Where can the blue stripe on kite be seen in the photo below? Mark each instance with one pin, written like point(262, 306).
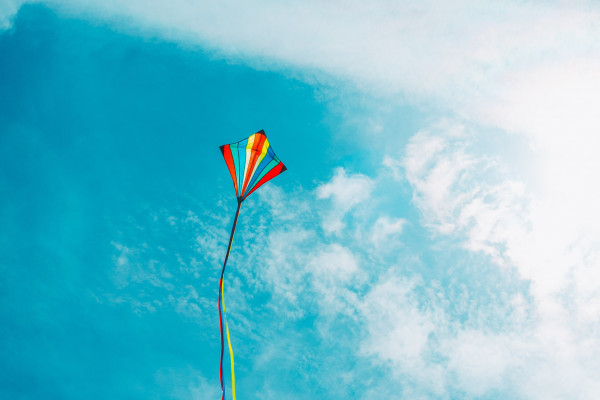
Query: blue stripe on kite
point(260, 170)
point(272, 164)
point(242, 159)
point(236, 161)
point(264, 162)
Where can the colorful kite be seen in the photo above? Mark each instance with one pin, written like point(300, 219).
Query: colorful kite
point(252, 163)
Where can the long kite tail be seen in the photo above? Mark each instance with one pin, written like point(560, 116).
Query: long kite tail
point(222, 303)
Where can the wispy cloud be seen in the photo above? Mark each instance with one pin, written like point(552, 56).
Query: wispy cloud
point(461, 191)
point(345, 192)
point(468, 195)
point(8, 10)
point(386, 229)
point(405, 324)
point(399, 329)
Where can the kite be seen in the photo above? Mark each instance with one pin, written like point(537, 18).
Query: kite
point(251, 163)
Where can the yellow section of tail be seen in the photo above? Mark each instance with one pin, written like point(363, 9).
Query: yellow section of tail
point(228, 342)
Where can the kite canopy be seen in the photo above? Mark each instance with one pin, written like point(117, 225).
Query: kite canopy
point(251, 162)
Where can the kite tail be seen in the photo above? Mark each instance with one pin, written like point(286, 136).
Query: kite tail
point(229, 343)
point(222, 303)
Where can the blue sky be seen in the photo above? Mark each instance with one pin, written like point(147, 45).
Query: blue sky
point(435, 236)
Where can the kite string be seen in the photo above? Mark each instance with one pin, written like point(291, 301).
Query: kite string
point(222, 300)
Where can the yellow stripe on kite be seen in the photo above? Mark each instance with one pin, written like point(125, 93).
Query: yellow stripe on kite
point(228, 341)
point(263, 153)
point(248, 156)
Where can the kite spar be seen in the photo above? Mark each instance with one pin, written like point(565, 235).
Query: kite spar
point(251, 163)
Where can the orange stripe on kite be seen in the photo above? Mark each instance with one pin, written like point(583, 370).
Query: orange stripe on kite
point(279, 168)
point(259, 142)
point(226, 150)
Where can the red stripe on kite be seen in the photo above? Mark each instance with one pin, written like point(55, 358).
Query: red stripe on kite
point(226, 150)
point(279, 168)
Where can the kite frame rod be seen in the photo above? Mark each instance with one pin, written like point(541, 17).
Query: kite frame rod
point(237, 214)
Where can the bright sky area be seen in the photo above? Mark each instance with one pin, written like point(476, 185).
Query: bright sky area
point(436, 235)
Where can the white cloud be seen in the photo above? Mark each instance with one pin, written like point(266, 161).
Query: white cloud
point(550, 241)
point(528, 68)
point(398, 328)
point(474, 200)
point(479, 361)
point(536, 61)
point(335, 263)
point(394, 166)
point(431, 354)
point(457, 191)
point(404, 328)
point(335, 276)
point(384, 228)
point(428, 350)
point(407, 325)
point(285, 263)
point(523, 67)
point(345, 191)
point(8, 10)
point(147, 276)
